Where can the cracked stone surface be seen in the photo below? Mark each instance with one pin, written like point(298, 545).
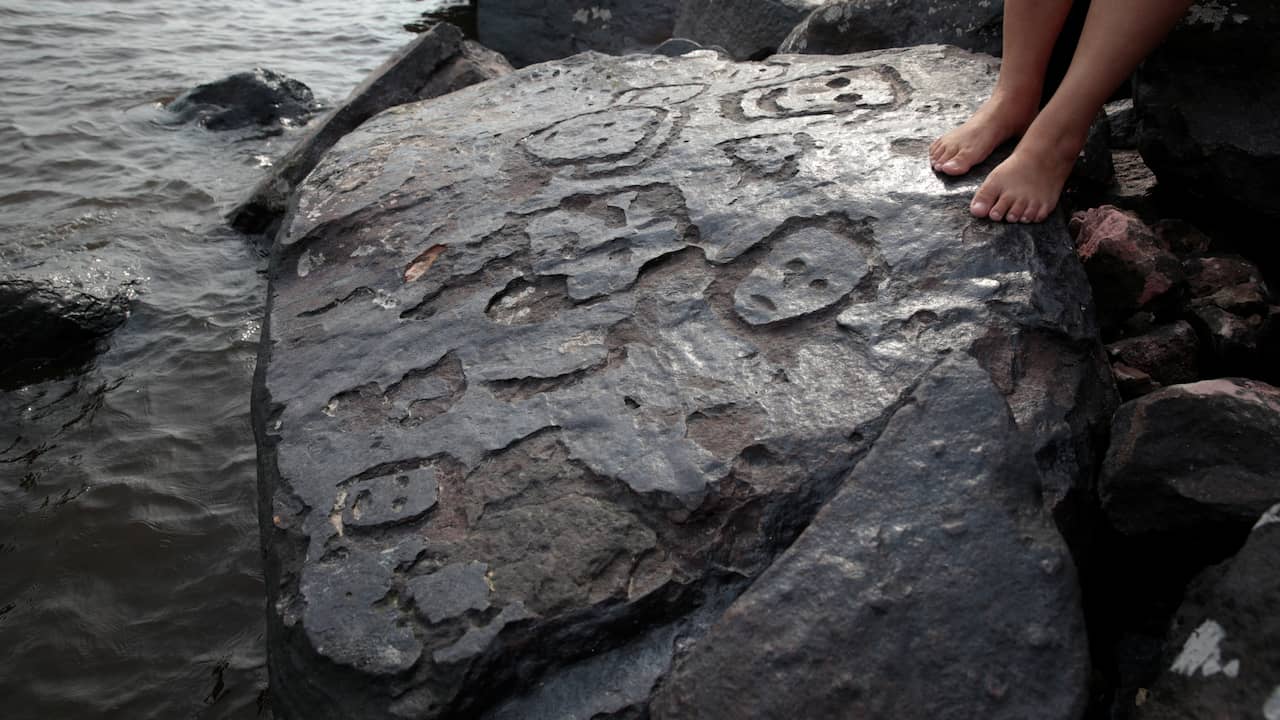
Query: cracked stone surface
point(580, 387)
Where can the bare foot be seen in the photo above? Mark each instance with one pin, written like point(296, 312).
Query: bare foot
point(1025, 187)
point(1002, 117)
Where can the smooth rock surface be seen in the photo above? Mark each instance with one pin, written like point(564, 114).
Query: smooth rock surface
point(848, 26)
point(605, 335)
point(1193, 457)
point(534, 31)
point(1208, 106)
point(437, 62)
point(259, 97)
point(748, 29)
point(1224, 648)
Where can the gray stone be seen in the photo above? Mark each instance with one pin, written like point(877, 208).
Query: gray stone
point(1191, 458)
point(1208, 107)
point(846, 26)
point(534, 31)
point(748, 29)
point(1122, 122)
point(437, 62)
point(259, 97)
point(1223, 658)
point(641, 318)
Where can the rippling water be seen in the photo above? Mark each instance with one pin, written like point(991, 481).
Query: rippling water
point(130, 582)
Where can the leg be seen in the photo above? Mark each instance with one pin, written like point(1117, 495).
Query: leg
point(1030, 29)
point(1117, 35)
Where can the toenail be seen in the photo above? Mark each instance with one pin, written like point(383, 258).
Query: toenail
point(994, 216)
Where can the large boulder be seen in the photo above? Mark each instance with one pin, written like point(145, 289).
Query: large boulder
point(437, 62)
point(48, 326)
point(1208, 107)
point(747, 29)
point(1193, 458)
point(533, 31)
point(855, 25)
point(258, 98)
point(557, 366)
point(1224, 646)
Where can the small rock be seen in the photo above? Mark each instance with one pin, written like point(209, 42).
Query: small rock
point(1209, 275)
point(1166, 355)
point(1232, 340)
point(46, 327)
point(1126, 267)
point(857, 25)
point(1134, 185)
point(1181, 237)
point(1223, 652)
point(1122, 123)
point(1132, 382)
point(260, 97)
point(1193, 458)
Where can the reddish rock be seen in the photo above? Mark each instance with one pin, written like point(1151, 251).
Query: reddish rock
point(1132, 382)
point(1127, 268)
point(1193, 458)
point(1166, 356)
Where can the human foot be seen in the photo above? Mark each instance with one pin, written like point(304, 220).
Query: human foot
point(1026, 186)
point(999, 119)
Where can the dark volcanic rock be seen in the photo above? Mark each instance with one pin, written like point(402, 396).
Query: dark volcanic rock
point(556, 365)
point(1122, 124)
point(1193, 458)
point(437, 62)
point(748, 29)
point(533, 31)
point(47, 326)
point(856, 25)
point(1208, 106)
point(260, 97)
point(1224, 647)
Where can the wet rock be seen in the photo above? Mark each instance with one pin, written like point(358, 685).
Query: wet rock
point(1223, 658)
point(1122, 124)
point(534, 31)
point(676, 47)
point(1193, 458)
point(1164, 356)
point(1208, 110)
point(437, 62)
point(260, 97)
point(748, 29)
point(856, 25)
point(624, 326)
point(1127, 268)
point(47, 327)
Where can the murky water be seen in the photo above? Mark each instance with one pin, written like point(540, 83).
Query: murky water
point(130, 582)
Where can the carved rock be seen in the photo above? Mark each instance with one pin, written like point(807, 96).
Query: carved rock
point(556, 366)
point(437, 62)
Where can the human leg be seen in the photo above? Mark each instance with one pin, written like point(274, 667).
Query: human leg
point(1030, 29)
point(1117, 35)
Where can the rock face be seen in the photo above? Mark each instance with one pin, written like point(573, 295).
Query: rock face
point(747, 29)
point(533, 31)
point(673, 387)
point(439, 61)
point(1209, 109)
point(1193, 457)
point(857, 25)
point(1224, 659)
point(45, 324)
point(260, 97)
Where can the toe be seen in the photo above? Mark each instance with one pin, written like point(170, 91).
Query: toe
point(1001, 207)
point(983, 200)
point(1018, 212)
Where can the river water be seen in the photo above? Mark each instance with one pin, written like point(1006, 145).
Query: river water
point(130, 581)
